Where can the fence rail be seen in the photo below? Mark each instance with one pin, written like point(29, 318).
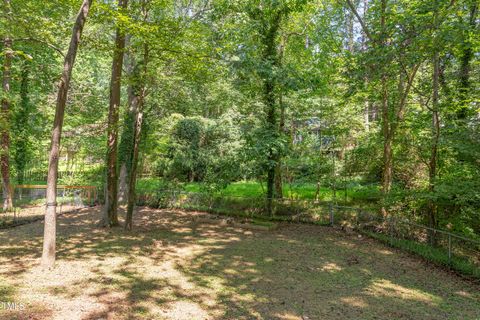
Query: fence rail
point(29, 202)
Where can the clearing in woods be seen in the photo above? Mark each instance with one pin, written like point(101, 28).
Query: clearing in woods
point(171, 267)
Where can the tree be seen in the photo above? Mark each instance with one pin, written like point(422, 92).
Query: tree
point(127, 138)
point(21, 144)
point(110, 217)
point(393, 104)
point(5, 116)
point(466, 57)
point(138, 92)
point(49, 237)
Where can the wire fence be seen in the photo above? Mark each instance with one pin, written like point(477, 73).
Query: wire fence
point(441, 246)
point(29, 202)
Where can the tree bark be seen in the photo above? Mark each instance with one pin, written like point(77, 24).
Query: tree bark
point(387, 175)
point(21, 124)
point(48, 254)
point(110, 217)
point(137, 91)
point(278, 167)
point(432, 165)
point(270, 58)
point(133, 170)
point(5, 118)
point(123, 183)
point(465, 61)
point(269, 100)
point(126, 141)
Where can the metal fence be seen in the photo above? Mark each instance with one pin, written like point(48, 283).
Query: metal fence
point(29, 202)
point(442, 246)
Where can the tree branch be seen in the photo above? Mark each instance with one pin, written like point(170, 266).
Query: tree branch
point(360, 20)
point(42, 42)
point(401, 107)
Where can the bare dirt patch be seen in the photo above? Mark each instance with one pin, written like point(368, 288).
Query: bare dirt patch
point(170, 267)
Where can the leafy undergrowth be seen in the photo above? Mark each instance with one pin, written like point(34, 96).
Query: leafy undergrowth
point(171, 267)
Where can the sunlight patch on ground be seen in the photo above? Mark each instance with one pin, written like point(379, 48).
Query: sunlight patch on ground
point(385, 251)
point(217, 273)
point(355, 302)
point(387, 288)
point(287, 316)
point(331, 267)
point(465, 294)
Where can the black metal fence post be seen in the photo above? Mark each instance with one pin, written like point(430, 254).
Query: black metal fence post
point(332, 220)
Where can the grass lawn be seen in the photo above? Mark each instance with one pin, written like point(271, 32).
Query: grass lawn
point(171, 267)
point(355, 192)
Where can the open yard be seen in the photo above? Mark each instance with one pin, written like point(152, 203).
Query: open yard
point(171, 267)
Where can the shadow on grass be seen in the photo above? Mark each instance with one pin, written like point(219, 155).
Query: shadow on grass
point(172, 268)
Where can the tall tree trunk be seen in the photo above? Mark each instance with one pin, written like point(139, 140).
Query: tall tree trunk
point(349, 27)
point(272, 158)
point(387, 172)
point(432, 165)
point(123, 183)
point(48, 254)
point(21, 123)
point(366, 115)
point(366, 110)
point(278, 166)
point(110, 217)
point(133, 169)
point(126, 141)
point(270, 57)
point(465, 60)
point(5, 117)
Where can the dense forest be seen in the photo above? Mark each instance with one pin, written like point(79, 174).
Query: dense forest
point(379, 97)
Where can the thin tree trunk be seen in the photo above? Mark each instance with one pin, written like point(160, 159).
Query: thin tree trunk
point(387, 174)
point(123, 183)
point(5, 117)
point(48, 254)
point(272, 158)
point(465, 61)
point(126, 141)
point(278, 167)
point(350, 34)
point(271, 57)
point(432, 165)
point(21, 123)
point(138, 91)
point(110, 217)
point(133, 170)
point(271, 119)
point(366, 115)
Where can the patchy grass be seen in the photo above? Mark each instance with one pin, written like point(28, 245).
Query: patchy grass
point(170, 267)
